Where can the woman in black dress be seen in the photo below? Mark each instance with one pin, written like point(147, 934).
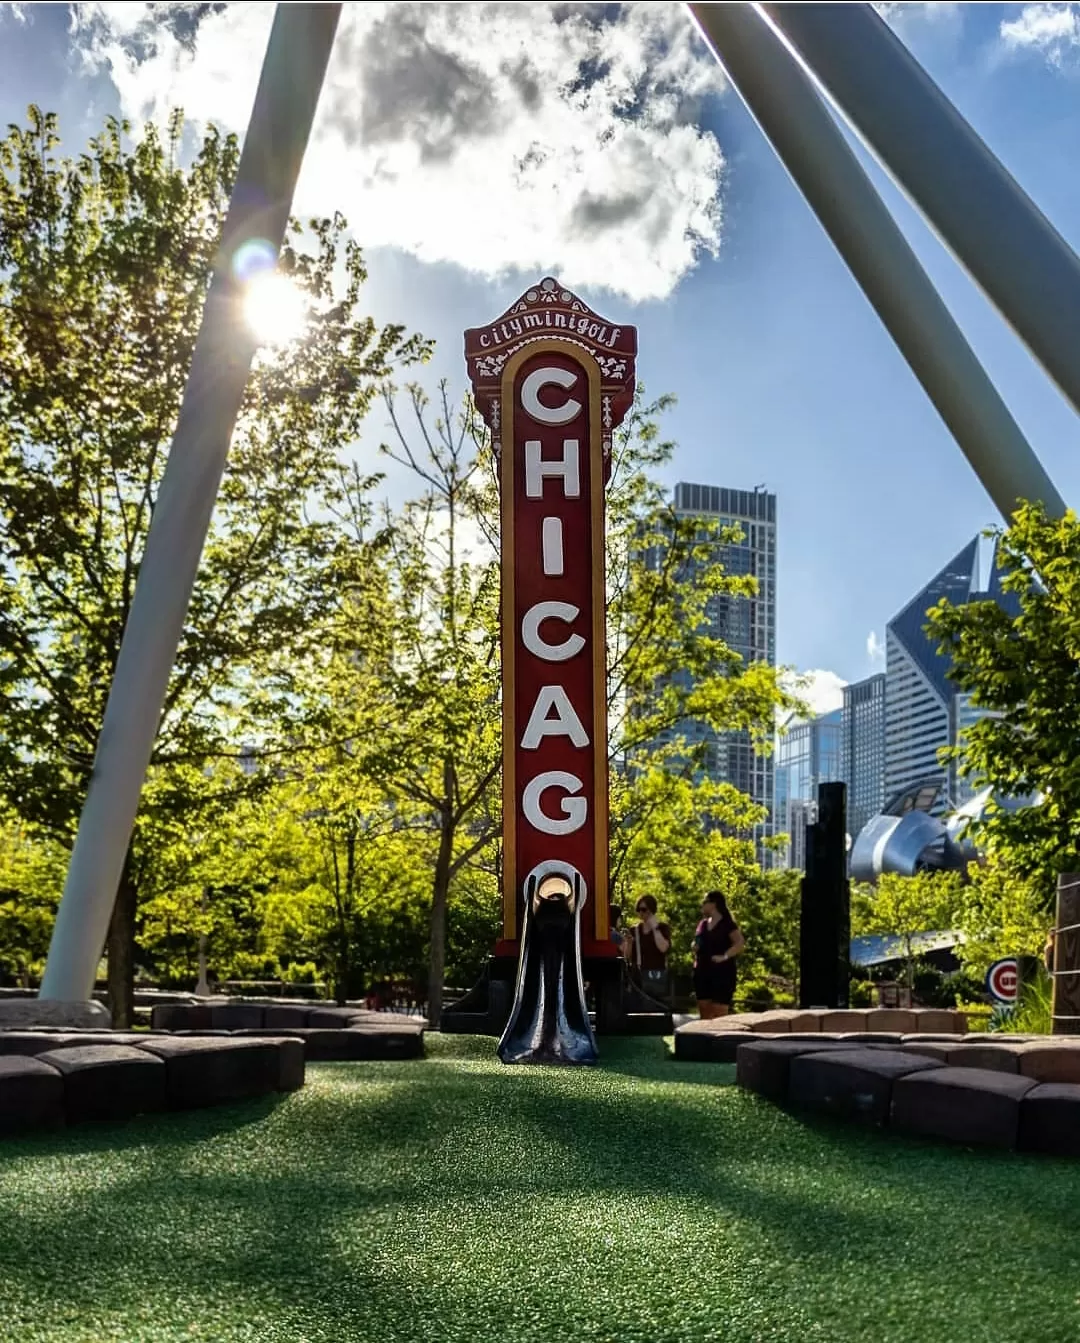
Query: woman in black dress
point(717, 942)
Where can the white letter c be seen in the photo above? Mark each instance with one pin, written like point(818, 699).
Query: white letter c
point(535, 616)
point(544, 377)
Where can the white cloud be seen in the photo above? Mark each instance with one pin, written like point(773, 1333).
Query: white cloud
point(822, 691)
point(17, 12)
point(498, 137)
point(875, 648)
point(1052, 30)
point(897, 12)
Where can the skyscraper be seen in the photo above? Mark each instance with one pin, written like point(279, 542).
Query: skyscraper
point(807, 754)
point(863, 750)
point(923, 709)
point(746, 624)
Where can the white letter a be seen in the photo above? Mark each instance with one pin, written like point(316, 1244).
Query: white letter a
point(565, 723)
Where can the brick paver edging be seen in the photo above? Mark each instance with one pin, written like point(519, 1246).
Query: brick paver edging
point(1016, 1093)
point(194, 1056)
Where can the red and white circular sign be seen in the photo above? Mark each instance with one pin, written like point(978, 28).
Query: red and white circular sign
point(1003, 980)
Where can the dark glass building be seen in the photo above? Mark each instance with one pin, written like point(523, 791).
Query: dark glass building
point(746, 624)
point(863, 750)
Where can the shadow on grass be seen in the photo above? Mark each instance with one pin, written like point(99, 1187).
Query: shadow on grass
point(453, 1198)
point(162, 1129)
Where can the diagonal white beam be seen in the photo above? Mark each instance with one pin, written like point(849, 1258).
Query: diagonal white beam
point(292, 76)
point(811, 147)
point(994, 229)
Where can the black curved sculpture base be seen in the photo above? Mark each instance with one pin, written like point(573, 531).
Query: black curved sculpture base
point(549, 1021)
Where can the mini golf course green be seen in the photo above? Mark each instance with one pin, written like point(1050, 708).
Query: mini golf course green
point(451, 1199)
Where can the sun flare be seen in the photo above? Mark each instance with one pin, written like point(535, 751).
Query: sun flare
point(275, 310)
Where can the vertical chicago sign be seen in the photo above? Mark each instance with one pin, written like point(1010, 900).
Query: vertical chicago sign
point(553, 380)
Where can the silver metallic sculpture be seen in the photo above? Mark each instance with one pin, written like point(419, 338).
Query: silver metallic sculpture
point(906, 838)
point(549, 1022)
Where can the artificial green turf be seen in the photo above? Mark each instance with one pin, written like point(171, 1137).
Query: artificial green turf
point(452, 1199)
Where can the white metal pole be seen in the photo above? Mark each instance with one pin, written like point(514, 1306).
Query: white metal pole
point(811, 146)
point(995, 230)
point(292, 76)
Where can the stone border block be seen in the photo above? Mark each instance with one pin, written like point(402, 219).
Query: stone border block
point(1055, 1059)
point(284, 1016)
point(181, 1017)
point(895, 1020)
point(108, 1081)
point(764, 1066)
point(974, 1106)
point(236, 1016)
point(996, 1057)
point(694, 1043)
point(214, 1071)
point(292, 1064)
point(1050, 1119)
point(31, 1094)
point(942, 1019)
point(854, 1083)
point(849, 1020)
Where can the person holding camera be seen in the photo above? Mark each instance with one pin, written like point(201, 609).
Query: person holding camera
point(649, 947)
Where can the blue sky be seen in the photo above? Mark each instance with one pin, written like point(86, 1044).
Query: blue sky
point(783, 374)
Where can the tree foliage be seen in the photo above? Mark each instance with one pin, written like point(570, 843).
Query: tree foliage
point(31, 871)
point(1023, 668)
point(324, 788)
point(768, 909)
point(105, 260)
point(437, 752)
point(675, 832)
point(902, 907)
point(1000, 913)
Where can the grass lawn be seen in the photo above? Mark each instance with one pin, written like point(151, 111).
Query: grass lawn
point(452, 1200)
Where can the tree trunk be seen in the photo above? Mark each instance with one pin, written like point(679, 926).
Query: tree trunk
point(202, 988)
point(120, 949)
point(440, 893)
point(344, 910)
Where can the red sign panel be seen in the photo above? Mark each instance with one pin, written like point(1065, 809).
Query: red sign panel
point(553, 380)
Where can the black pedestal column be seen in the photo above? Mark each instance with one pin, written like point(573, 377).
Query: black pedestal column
point(825, 933)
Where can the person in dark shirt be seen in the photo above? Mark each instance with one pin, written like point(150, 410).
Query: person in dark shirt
point(717, 942)
point(652, 939)
point(649, 946)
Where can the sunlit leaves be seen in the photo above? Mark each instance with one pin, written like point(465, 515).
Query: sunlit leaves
point(1025, 670)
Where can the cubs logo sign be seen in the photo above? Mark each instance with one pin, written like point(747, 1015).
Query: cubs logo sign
point(552, 381)
point(1003, 980)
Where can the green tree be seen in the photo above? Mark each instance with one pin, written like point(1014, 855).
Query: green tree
point(1021, 667)
point(31, 869)
point(438, 747)
point(665, 573)
point(105, 259)
point(1000, 913)
point(675, 832)
point(676, 838)
point(903, 907)
point(768, 909)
